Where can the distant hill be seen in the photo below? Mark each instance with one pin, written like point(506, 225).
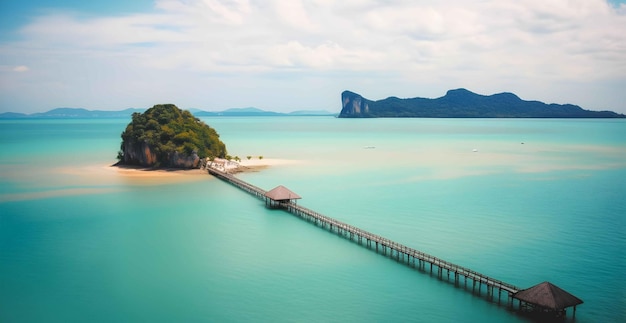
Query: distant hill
point(237, 112)
point(72, 113)
point(255, 112)
point(13, 115)
point(461, 103)
point(127, 113)
point(312, 113)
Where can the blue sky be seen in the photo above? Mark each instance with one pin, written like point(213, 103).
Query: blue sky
point(287, 55)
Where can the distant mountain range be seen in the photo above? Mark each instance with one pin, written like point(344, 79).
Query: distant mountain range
point(251, 112)
point(86, 114)
point(461, 103)
point(72, 113)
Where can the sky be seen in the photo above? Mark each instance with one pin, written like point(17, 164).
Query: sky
point(287, 55)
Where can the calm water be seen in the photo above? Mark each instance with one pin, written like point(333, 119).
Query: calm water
point(539, 200)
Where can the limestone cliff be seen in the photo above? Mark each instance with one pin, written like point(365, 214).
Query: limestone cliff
point(353, 105)
point(141, 154)
point(138, 154)
point(185, 161)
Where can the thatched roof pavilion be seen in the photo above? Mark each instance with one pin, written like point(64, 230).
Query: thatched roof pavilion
point(280, 194)
point(548, 297)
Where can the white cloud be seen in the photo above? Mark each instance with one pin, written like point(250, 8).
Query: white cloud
point(229, 12)
point(21, 68)
point(294, 14)
point(555, 51)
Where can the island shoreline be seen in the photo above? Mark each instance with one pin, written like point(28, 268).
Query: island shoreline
point(244, 166)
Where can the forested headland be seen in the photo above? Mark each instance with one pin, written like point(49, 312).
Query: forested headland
point(461, 103)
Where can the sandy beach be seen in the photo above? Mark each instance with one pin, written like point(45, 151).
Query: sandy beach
point(255, 164)
point(245, 165)
point(94, 179)
point(142, 172)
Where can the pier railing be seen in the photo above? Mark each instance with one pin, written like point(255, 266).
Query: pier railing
point(381, 244)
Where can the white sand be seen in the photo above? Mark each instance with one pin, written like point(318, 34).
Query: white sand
point(147, 172)
point(267, 162)
point(250, 165)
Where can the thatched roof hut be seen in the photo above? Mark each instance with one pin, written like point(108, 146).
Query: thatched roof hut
point(280, 194)
point(548, 296)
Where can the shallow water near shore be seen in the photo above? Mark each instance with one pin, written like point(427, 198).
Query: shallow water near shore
point(524, 201)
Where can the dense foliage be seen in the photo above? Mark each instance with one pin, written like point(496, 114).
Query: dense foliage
point(166, 129)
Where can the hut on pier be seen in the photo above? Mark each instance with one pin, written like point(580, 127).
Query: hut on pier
point(279, 196)
point(546, 299)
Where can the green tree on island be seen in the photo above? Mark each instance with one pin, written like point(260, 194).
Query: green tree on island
point(166, 136)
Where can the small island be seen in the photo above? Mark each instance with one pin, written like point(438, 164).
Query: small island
point(165, 136)
point(461, 103)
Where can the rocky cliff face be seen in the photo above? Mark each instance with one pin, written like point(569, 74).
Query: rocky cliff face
point(138, 154)
point(185, 161)
point(143, 155)
point(353, 105)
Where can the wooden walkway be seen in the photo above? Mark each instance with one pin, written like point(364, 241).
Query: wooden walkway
point(411, 257)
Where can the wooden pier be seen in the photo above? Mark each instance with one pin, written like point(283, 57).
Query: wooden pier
point(445, 270)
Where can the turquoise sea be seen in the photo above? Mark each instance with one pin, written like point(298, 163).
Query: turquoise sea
point(521, 200)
